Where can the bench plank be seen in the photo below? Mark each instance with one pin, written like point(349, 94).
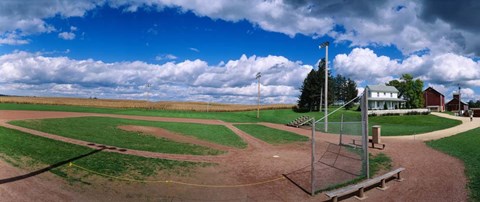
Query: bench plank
point(366, 183)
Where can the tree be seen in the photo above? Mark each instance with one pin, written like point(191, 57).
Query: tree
point(313, 86)
point(351, 92)
point(339, 89)
point(409, 89)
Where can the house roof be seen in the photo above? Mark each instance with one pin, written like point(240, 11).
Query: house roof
point(434, 91)
point(382, 88)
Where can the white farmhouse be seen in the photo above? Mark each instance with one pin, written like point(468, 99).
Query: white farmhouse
point(381, 95)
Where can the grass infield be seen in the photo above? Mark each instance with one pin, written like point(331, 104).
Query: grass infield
point(271, 135)
point(103, 130)
point(464, 146)
point(33, 152)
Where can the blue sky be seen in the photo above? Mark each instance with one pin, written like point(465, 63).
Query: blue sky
point(210, 51)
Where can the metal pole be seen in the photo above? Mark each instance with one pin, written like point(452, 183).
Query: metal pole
point(365, 132)
point(312, 173)
point(341, 130)
point(326, 88)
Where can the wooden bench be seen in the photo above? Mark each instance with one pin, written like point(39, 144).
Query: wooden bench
point(370, 141)
point(360, 187)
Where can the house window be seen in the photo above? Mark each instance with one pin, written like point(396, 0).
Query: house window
point(384, 93)
point(391, 94)
point(378, 94)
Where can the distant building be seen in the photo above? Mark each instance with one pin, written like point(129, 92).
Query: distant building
point(434, 100)
point(382, 96)
point(456, 102)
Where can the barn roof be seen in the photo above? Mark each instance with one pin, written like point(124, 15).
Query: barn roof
point(434, 91)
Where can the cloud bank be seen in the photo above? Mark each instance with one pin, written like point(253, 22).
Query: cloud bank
point(233, 82)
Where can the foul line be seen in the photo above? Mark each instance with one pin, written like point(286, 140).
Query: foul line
point(175, 182)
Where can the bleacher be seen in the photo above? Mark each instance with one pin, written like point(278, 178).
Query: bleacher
point(300, 121)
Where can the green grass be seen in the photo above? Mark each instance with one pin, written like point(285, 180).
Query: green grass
point(391, 125)
point(465, 146)
point(410, 125)
point(271, 135)
point(281, 116)
point(34, 152)
point(103, 130)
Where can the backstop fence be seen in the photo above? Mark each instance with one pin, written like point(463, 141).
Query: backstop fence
point(339, 150)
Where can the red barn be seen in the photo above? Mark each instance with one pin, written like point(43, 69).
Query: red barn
point(456, 102)
point(434, 100)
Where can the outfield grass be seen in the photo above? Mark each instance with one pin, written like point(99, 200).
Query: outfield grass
point(103, 130)
point(271, 135)
point(30, 151)
point(465, 146)
point(412, 124)
point(391, 125)
point(281, 116)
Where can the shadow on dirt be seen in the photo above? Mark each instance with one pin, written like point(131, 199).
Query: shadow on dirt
point(40, 171)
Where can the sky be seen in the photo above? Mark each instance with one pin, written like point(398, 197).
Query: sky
point(210, 51)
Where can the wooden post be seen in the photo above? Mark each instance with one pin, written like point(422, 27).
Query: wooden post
point(326, 87)
point(312, 173)
point(365, 132)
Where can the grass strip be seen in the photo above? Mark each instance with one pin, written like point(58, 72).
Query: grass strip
point(464, 146)
point(271, 135)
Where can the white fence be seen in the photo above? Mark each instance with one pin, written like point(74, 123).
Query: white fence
point(397, 112)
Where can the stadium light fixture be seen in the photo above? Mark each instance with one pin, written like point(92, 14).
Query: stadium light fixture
point(325, 45)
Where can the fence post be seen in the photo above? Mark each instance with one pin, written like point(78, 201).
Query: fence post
point(312, 174)
point(364, 104)
point(341, 130)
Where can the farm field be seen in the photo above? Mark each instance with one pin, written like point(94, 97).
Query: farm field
point(139, 104)
point(464, 146)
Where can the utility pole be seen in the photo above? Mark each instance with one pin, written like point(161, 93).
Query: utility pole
point(148, 95)
point(459, 101)
point(325, 45)
point(259, 74)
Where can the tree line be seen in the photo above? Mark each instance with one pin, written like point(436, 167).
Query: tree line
point(340, 89)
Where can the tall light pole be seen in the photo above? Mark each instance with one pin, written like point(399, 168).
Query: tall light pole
point(259, 74)
point(325, 45)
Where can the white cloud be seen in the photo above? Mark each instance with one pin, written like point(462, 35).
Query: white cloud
point(66, 35)
point(12, 39)
point(165, 57)
point(194, 49)
point(34, 74)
